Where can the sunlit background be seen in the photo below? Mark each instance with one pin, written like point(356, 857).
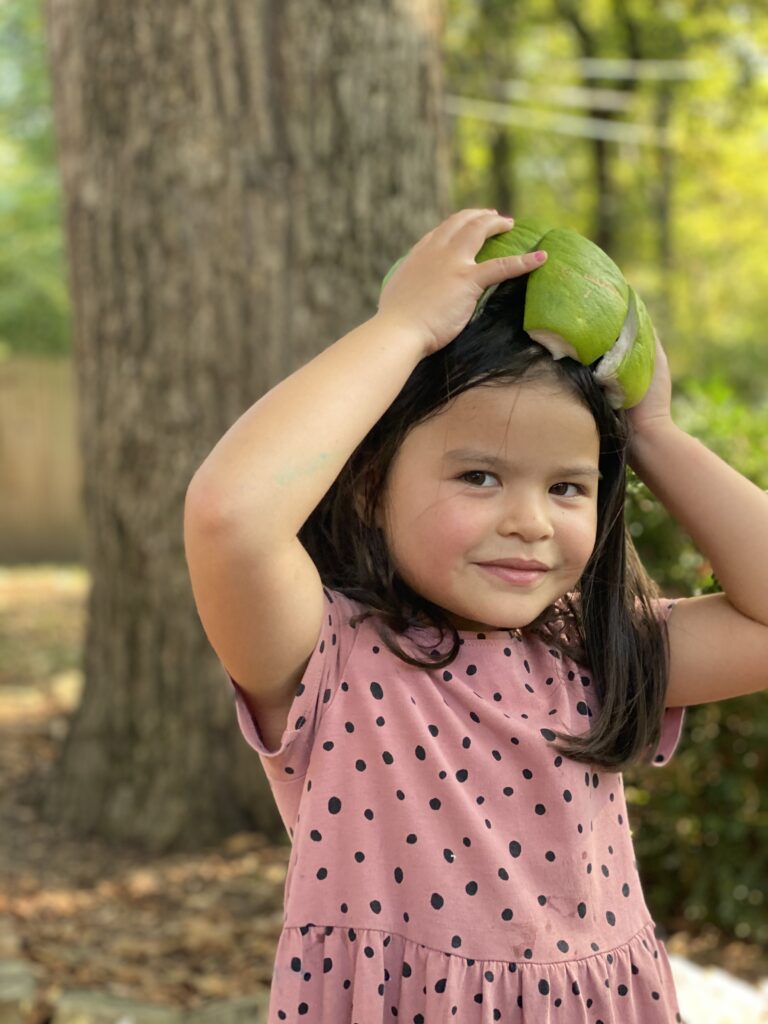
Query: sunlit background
point(643, 126)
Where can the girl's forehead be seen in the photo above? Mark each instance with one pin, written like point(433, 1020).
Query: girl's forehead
point(543, 403)
point(532, 420)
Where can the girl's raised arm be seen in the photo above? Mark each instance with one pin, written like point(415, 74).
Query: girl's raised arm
point(257, 592)
point(718, 642)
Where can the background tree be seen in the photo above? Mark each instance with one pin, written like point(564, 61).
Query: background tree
point(236, 179)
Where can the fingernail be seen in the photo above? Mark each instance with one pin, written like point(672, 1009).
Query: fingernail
point(540, 256)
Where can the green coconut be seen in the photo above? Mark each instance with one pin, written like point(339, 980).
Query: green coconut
point(578, 304)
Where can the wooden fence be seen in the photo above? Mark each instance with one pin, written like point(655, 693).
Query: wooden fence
point(40, 473)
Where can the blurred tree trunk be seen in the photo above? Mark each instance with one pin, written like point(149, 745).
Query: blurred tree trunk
point(604, 230)
point(237, 178)
point(662, 205)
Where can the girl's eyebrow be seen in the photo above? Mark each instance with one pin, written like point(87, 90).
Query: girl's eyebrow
point(483, 458)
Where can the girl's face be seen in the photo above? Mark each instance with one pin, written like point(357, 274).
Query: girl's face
point(529, 492)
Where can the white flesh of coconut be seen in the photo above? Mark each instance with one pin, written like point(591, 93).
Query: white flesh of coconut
point(555, 344)
point(614, 357)
point(608, 366)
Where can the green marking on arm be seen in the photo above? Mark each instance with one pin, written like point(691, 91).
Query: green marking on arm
point(302, 470)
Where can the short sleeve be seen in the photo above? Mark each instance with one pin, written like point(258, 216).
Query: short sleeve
point(313, 695)
point(673, 718)
point(671, 731)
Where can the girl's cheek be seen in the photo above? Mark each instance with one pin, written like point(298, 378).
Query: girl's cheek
point(586, 536)
point(456, 526)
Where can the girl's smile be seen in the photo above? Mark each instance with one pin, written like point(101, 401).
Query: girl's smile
point(504, 472)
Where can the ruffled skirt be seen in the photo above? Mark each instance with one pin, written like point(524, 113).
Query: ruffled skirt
point(339, 975)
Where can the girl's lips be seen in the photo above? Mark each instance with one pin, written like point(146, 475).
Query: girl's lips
point(516, 577)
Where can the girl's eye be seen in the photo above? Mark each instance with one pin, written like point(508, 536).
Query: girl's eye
point(482, 473)
point(475, 473)
point(579, 489)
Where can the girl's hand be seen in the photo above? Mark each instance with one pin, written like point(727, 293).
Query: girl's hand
point(654, 410)
point(436, 287)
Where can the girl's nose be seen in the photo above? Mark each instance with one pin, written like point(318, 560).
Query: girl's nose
point(527, 517)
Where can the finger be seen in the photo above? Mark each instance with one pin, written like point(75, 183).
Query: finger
point(477, 224)
point(494, 271)
point(476, 231)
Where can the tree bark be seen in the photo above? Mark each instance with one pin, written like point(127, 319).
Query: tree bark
point(237, 177)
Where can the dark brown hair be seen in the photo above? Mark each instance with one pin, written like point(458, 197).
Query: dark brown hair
point(607, 624)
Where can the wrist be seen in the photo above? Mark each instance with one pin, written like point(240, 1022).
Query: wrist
point(646, 436)
point(410, 332)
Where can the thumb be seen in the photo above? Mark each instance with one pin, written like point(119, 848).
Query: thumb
point(497, 270)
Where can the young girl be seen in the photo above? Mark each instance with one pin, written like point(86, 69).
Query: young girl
point(411, 558)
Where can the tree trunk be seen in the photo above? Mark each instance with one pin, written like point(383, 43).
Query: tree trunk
point(603, 231)
point(237, 178)
point(662, 199)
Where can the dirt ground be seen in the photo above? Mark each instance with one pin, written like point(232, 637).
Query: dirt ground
point(178, 930)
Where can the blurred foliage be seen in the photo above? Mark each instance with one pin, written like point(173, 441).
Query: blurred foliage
point(700, 822)
point(34, 304)
point(688, 227)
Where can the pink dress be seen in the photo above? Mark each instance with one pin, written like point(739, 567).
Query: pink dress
point(447, 864)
